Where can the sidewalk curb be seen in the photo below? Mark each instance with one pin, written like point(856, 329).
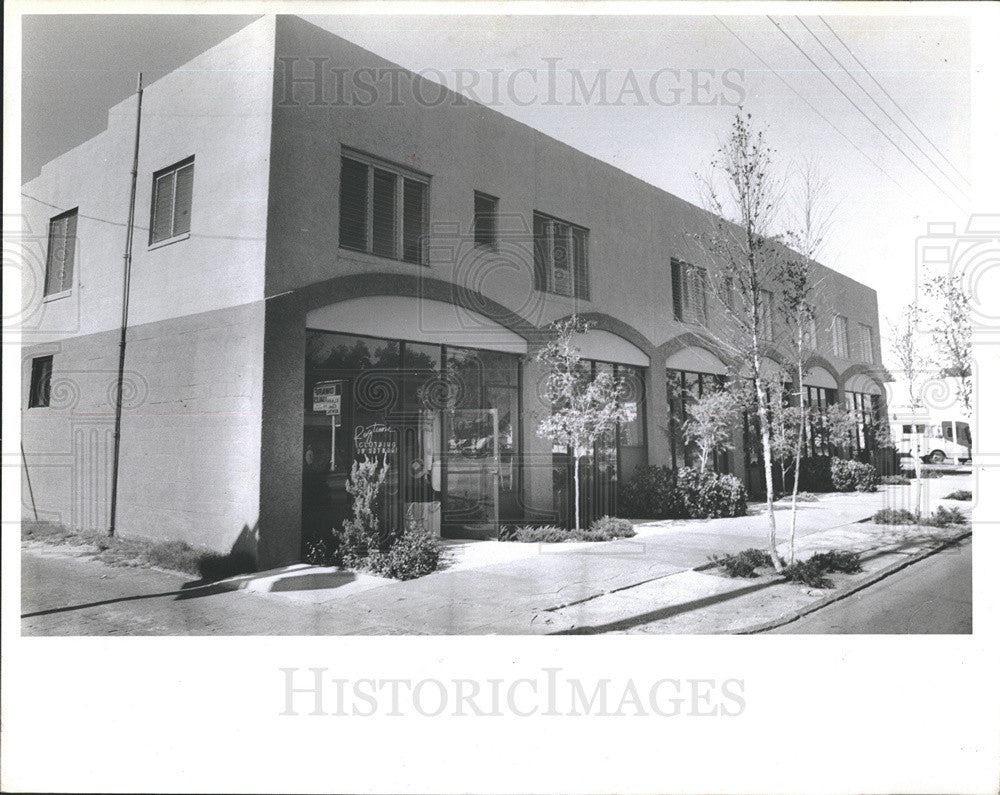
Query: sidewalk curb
point(881, 574)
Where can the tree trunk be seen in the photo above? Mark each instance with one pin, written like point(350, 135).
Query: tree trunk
point(798, 460)
point(765, 438)
point(576, 488)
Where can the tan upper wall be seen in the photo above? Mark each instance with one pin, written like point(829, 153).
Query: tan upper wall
point(635, 228)
point(217, 108)
point(267, 174)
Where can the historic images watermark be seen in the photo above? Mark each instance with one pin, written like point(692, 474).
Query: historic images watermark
point(320, 82)
point(319, 692)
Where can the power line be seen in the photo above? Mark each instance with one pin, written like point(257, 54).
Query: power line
point(861, 111)
point(815, 110)
point(137, 226)
point(893, 101)
point(919, 148)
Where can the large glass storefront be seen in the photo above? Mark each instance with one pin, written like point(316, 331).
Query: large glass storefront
point(446, 421)
point(613, 459)
point(683, 388)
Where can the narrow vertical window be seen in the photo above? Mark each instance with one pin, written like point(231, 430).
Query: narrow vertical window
point(353, 204)
point(484, 220)
point(840, 340)
point(414, 220)
point(677, 288)
point(384, 214)
point(689, 285)
point(867, 352)
point(61, 254)
point(171, 205)
point(41, 382)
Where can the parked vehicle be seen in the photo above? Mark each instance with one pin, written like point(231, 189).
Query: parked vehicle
point(938, 442)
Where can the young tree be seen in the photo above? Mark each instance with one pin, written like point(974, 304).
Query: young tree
point(951, 332)
point(811, 219)
point(583, 409)
point(743, 192)
point(904, 345)
point(710, 421)
point(842, 429)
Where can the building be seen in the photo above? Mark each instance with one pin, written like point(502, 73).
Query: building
point(363, 275)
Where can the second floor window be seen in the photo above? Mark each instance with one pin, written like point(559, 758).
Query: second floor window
point(171, 213)
point(484, 220)
point(865, 343)
point(840, 336)
point(561, 265)
point(688, 283)
point(61, 255)
point(383, 209)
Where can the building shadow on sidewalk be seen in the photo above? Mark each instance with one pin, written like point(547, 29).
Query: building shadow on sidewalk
point(667, 612)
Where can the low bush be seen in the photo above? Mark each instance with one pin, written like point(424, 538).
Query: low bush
point(651, 493)
point(853, 475)
point(945, 517)
point(413, 554)
point(709, 495)
point(896, 480)
point(604, 529)
point(894, 516)
point(688, 493)
point(535, 534)
point(814, 474)
point(812, 572)
point(961, 494)
point(743, 564)
point(608, 528)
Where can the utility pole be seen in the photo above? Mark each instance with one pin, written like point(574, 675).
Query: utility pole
point(125, 295)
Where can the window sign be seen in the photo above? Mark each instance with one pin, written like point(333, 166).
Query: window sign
point(326, 397)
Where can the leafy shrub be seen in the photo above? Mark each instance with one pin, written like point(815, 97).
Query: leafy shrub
point(607, 528)
point(808, 573)
point(814, 474)
point(961, 494)
point(532, 534)
point(836, 560)
point(362, 534)
point(743, 564)
point(853, 475)
point(718, 496)
point(894, 516)
point(896, 480)
point(812, 572)
point(688, 493)
point(413, 554)
point(649, 494)
point(945, 517)
point(604, 529)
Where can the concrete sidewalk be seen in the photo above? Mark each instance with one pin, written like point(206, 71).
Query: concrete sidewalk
point(524, 593)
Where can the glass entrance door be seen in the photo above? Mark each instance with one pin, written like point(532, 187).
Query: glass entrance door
point(471, 473)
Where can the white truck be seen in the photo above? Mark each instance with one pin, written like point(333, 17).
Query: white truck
point(936, 441)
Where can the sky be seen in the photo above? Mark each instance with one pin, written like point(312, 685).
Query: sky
point(885, 182)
